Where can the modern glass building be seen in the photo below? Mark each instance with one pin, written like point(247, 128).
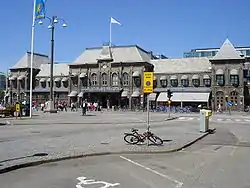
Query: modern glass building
point(2, 81)
point(210, 52)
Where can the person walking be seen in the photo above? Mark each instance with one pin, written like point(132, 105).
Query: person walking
point(84, 107)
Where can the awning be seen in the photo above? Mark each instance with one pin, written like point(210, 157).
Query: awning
point(136, 74)
point(12, 78)
point(21, 77)
point(57, 79)
point(65, 79)
point(135, 94)
point(184, 97)
point(73, 94)
point(152, 96)
point(83, 74)
point(80, 94)
point(42, 80)
point(124, 94)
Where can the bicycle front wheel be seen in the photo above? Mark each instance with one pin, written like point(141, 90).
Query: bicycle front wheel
point(131, 139)
point(155, 140)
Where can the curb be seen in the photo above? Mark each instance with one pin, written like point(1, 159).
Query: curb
point(97, 123)
point(45, 161)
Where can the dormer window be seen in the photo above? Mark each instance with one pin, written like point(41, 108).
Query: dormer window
point(206, 81)
point(196, 80)
point(137, 78)
point(174, 81)
point(163, 81)
point(220, 80)
point(184, 81)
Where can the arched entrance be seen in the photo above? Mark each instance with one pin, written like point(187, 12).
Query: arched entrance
point(234, 98)
point(219, 100)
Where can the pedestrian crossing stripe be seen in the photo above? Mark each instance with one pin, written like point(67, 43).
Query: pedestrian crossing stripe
point(213, 119)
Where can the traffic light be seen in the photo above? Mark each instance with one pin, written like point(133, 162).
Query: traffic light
point(170, 94)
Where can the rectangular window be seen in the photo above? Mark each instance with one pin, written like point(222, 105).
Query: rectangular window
point(234, 80)
point(220, 79)
point(207, 82)
point(174, 82)
point(184, 82)
point(196, 82)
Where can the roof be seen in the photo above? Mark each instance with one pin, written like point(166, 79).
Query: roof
point(227, 51)
point(181, 65)
point(24, 62)
point(60, 69)
point(118, 53)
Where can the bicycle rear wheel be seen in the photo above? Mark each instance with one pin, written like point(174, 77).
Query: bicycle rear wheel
point(131, 139)
point(156, 140)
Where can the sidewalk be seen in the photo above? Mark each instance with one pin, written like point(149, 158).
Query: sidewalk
point(58, 140)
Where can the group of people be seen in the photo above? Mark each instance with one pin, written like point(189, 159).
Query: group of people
point(86, 106)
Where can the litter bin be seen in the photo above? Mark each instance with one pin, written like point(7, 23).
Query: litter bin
point(204, 120)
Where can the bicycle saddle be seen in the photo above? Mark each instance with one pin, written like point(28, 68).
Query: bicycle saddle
point(134, 130)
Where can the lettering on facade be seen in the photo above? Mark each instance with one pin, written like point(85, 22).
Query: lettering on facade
point(85, 181)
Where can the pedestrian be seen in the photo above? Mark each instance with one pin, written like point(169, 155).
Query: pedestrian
point(84, 107)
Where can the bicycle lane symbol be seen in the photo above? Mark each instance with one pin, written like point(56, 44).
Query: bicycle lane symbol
point(85, 181)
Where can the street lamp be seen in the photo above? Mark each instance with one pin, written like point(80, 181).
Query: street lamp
point(53, 21)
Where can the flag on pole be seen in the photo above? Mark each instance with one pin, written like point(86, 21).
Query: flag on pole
point(114, 21)
point(40, 10)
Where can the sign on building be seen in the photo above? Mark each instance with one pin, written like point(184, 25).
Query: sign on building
point(148, 82)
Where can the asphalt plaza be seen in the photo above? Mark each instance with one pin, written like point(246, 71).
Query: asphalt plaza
point(200, 166)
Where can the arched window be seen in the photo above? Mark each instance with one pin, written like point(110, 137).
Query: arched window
point(115, 79)
point(104, 79)
point(125, 79)
point(94, 79)
point(220, 77)
point(234, 77)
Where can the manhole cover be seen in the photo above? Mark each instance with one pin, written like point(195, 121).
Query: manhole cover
point(40, 154)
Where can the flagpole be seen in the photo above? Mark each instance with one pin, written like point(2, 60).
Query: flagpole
point(110, 32)
point(32, 56)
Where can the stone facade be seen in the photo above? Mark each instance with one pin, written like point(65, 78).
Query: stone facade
point(110, 76)
point(113, 76)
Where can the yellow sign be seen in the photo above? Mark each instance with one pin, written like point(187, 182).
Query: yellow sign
point(148, 82)
point(17, 107)
point(169, 101)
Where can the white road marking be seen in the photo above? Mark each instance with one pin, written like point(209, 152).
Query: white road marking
point(179, 184)
point(181, 118)
point(191, 118)
point(237, 120)
point(219, 119)
point(84, 181)
point(228, 119)
point(247, 120)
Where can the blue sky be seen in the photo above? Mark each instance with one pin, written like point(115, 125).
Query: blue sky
point(169, 27)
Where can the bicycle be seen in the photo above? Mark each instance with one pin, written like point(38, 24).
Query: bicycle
point(135, 137)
